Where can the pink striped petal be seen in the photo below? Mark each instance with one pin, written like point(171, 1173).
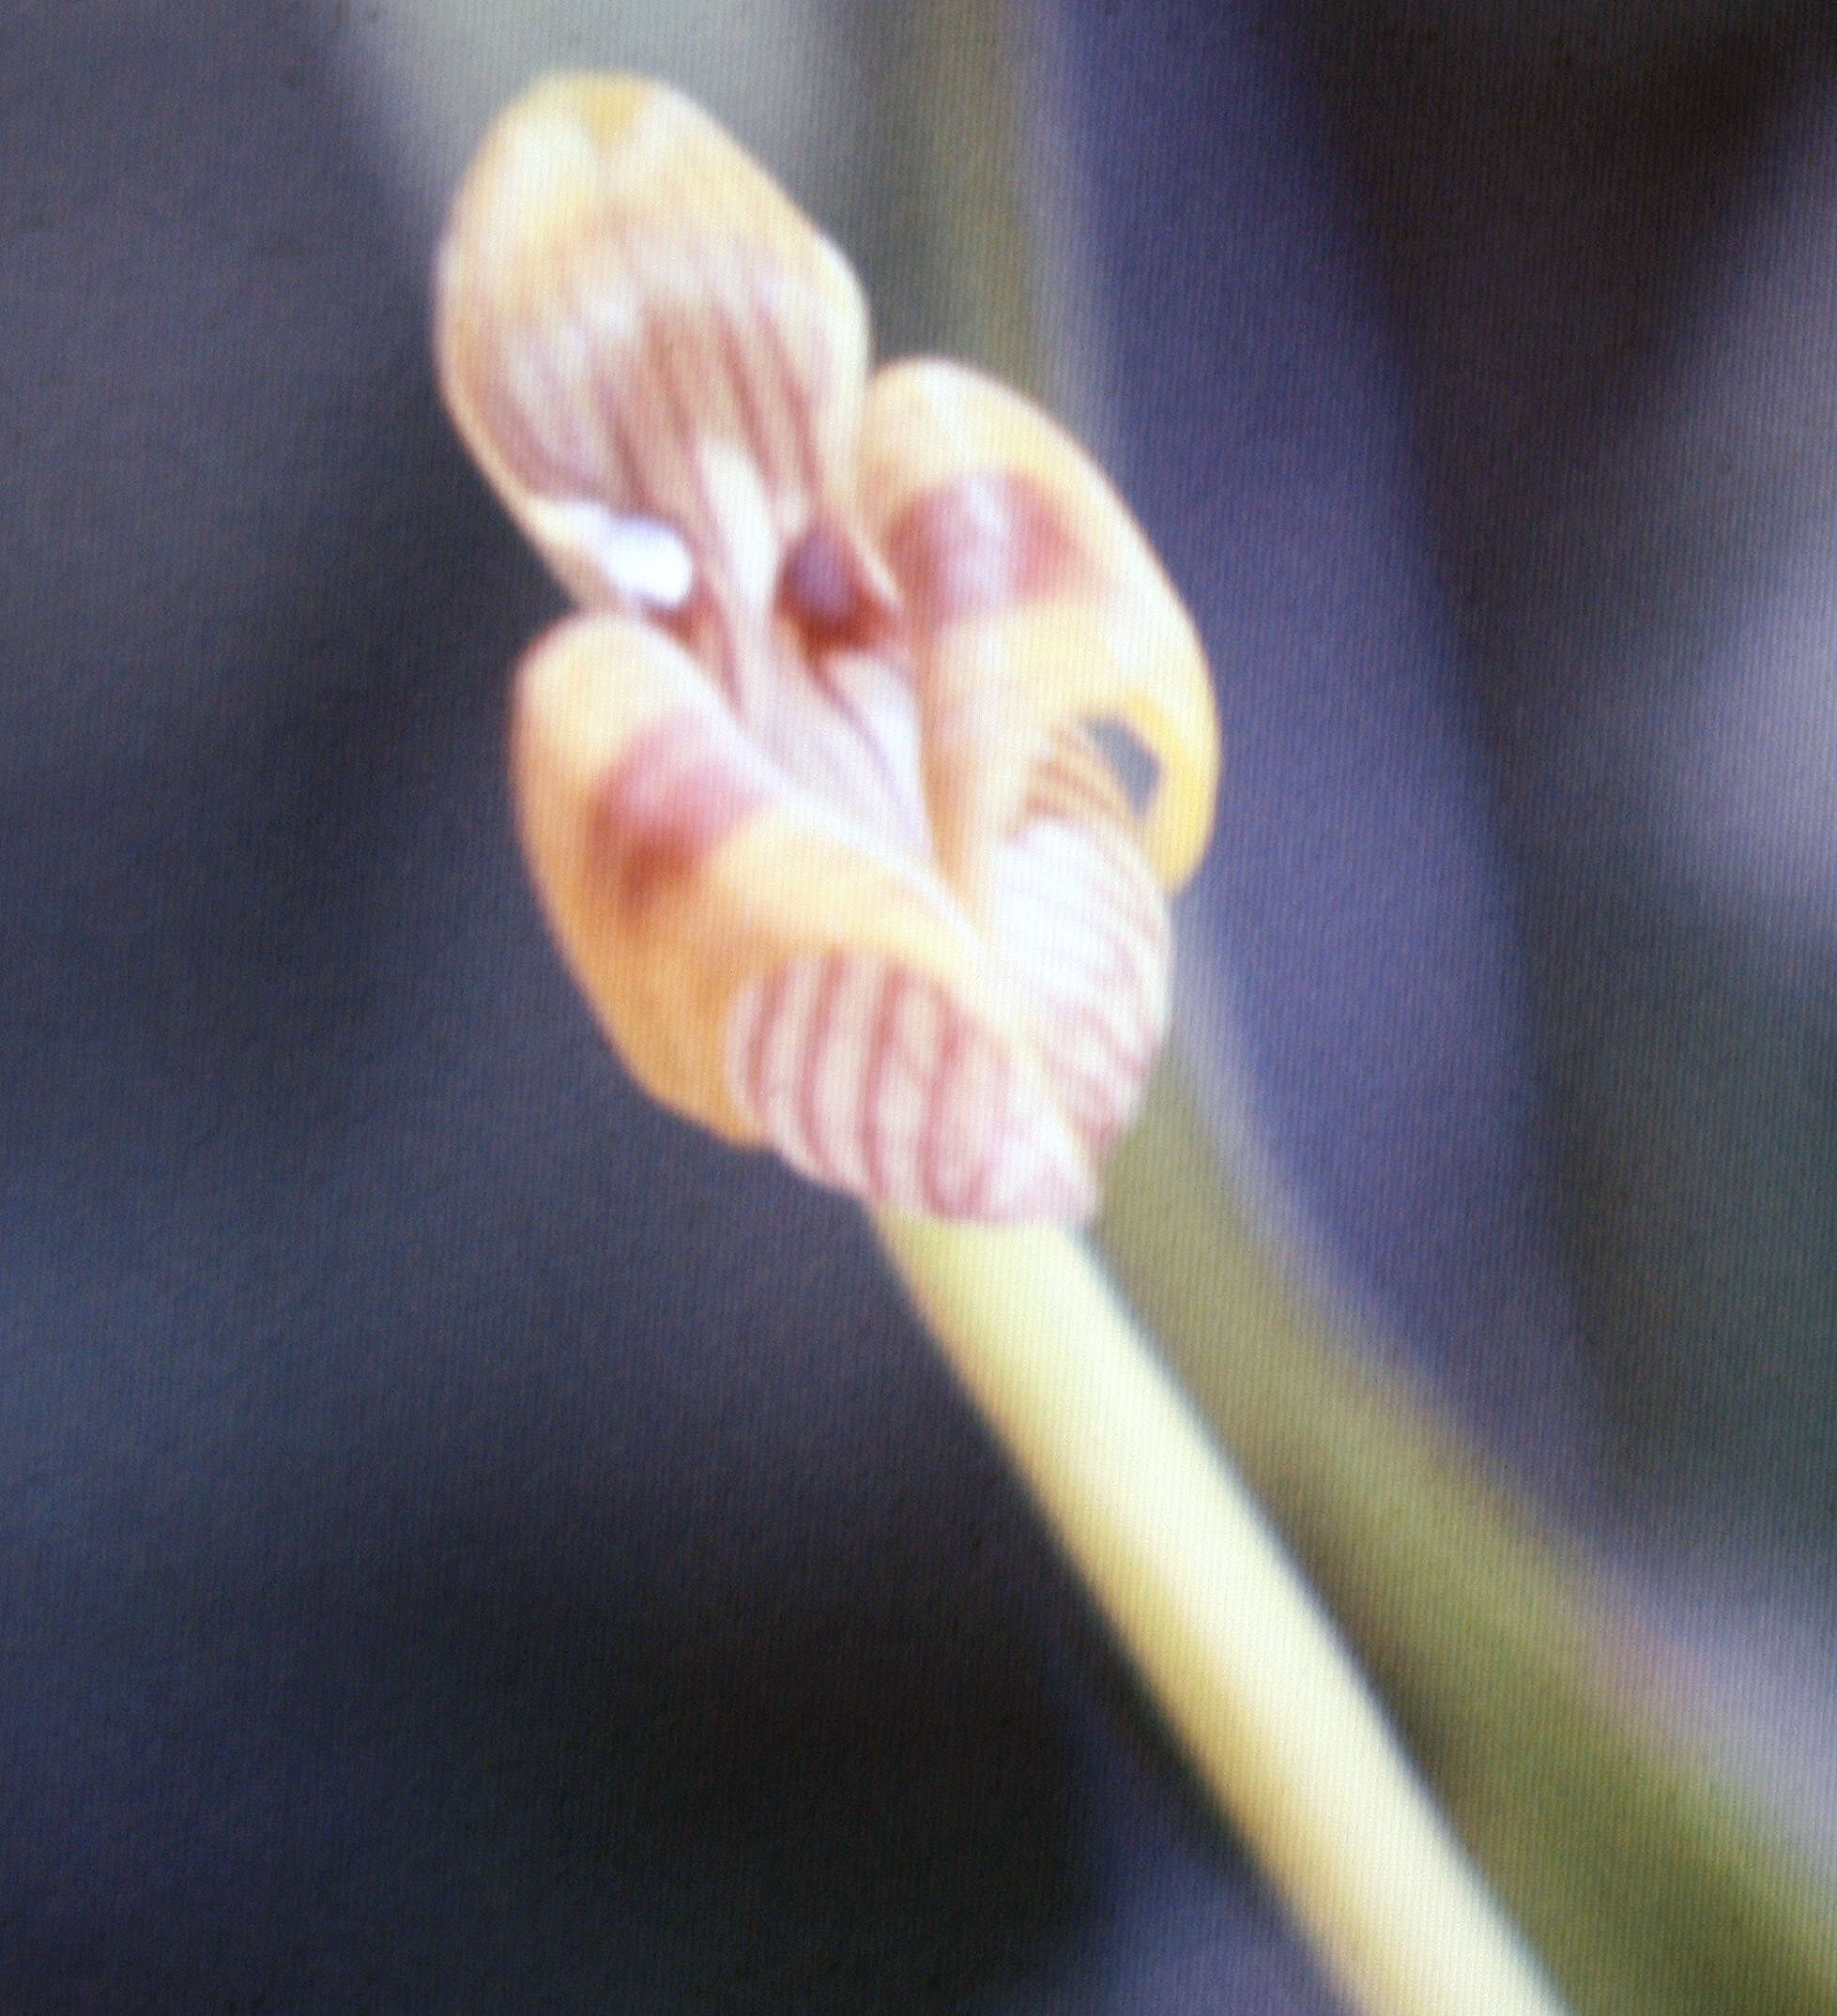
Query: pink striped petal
point(874, 1079)
point(633, 318)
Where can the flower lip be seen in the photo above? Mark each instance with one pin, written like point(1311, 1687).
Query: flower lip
point(812, 794)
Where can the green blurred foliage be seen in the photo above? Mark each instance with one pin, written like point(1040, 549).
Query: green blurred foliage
point(1650, 1888)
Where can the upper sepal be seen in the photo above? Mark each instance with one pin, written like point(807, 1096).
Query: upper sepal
point(633, 321)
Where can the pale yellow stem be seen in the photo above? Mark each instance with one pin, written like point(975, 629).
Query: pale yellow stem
point(1243, 1661)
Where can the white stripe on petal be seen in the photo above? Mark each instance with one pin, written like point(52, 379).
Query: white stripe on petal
point(777, 1060)
point(836, 1068)
point(1081, 927)
point(643, 558)
point(894, 1119)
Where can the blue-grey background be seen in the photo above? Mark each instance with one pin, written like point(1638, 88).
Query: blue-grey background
point(468, 1543)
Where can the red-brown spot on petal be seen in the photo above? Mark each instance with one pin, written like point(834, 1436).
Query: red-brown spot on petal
point(984, 543)
point(666, 804)
point(836, 592)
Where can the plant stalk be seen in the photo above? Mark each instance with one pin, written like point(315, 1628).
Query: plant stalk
point(1202, 1594)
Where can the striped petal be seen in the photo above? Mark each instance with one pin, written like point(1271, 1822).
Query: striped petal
point(1034, 601)
point(1080, 924)
point(763, 964)
point(642, 339)
point(874, 1078)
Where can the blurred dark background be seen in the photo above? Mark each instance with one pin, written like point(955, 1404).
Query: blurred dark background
point(466, 1541)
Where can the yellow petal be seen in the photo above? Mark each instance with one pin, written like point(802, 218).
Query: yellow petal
point(740, 944)
point(633, 322)
point(1036, 602)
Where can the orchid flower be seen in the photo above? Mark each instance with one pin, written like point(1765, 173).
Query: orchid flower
point(823, 791)
point(818, 787)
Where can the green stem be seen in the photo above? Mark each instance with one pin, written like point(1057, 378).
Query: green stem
point(1200, 1590)
point(1650, 1888)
